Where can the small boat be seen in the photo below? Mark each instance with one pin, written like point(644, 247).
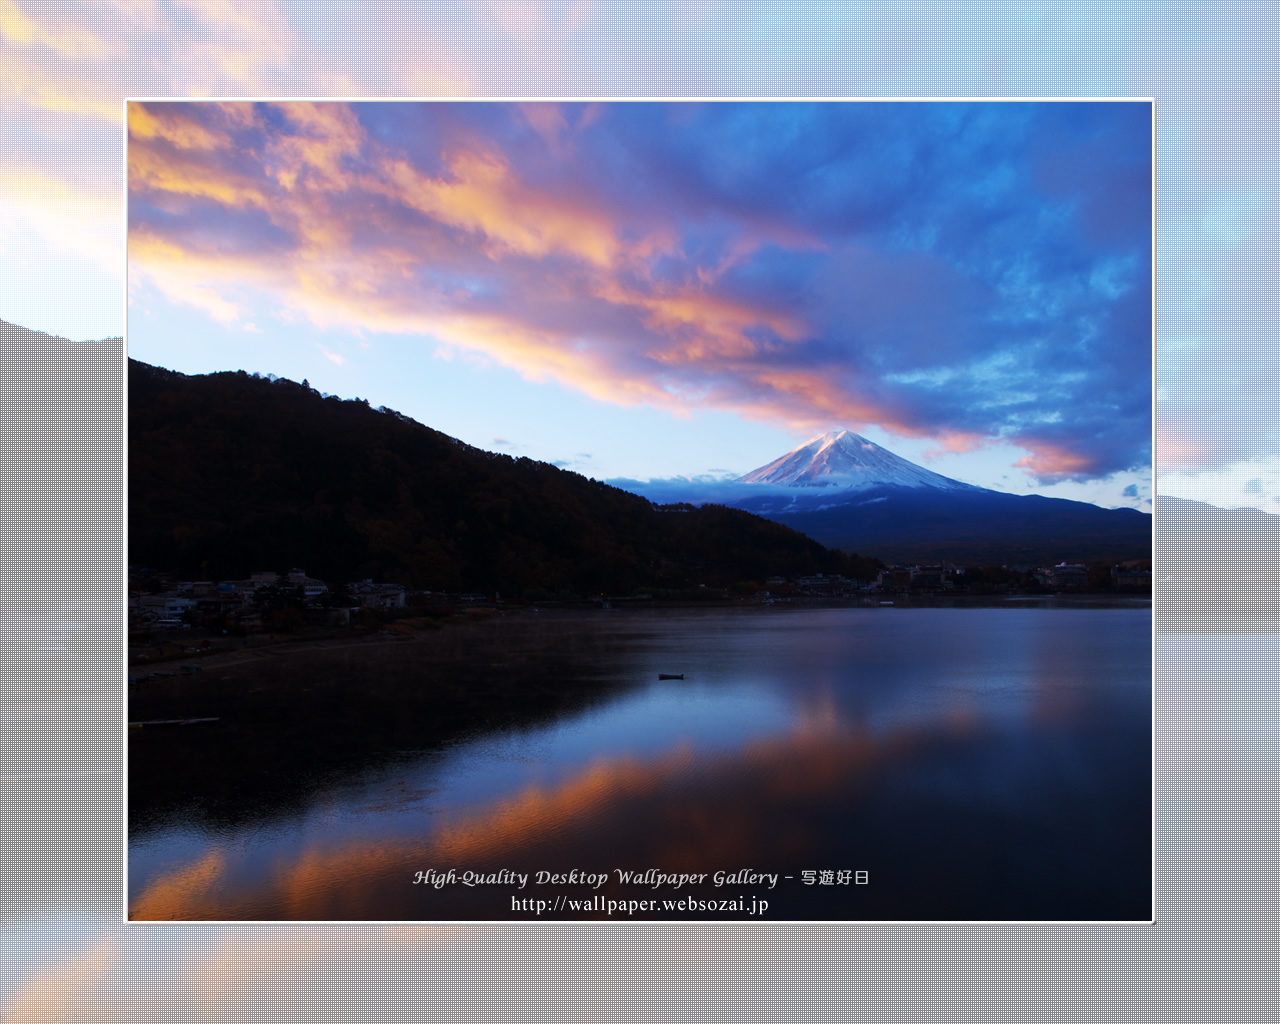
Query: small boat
point(886, 604)
point(664, 675)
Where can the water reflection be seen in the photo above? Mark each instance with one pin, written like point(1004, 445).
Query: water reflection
point(998, 769)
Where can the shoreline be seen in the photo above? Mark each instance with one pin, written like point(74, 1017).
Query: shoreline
point(415, 629)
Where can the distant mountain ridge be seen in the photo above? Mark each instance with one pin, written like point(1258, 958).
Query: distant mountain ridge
point(849, 493)
point(1232, 546)
point(1217, 569)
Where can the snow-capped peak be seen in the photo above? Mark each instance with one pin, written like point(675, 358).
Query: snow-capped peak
point(844, 459)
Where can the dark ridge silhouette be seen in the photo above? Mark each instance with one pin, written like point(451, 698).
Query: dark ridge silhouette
point(62, 426)
point(231, 472)
point(971, 526)
point(1216, 569)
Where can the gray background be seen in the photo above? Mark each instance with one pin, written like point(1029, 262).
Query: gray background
point(65, 954)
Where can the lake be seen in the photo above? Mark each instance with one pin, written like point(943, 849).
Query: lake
point(968, 763)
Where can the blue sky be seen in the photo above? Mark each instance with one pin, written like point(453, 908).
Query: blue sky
point(658, 289)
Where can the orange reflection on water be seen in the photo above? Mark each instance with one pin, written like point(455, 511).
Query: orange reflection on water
point(535, 812)
point(171, 895)
point(761, 804)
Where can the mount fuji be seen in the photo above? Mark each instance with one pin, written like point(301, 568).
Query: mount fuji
point(845, 459)
point(847, 492)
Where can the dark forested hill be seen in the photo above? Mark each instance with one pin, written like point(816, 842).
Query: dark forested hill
point(1217, 569)
point(230, 473)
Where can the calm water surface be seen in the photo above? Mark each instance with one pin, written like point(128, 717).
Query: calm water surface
point(978, 763)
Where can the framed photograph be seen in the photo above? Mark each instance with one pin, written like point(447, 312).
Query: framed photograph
point(614, 512)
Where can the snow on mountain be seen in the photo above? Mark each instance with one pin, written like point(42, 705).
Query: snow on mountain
point(844, 459)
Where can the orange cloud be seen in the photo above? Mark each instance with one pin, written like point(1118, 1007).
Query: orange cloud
point(308, 188)
point(539, 354)
point(1180, 449)
point(548, 120)
point(808, 398)
point(553, 282)
point(955, 442)
point(702, 325)
point(1054, 462)
point(200, 279)
point(485, 197)
point(324, 134)
point(61, 34)
point(688, 329)
point(166, 121)
point(151, 171)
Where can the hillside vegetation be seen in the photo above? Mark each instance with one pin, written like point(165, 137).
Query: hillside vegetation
point(231, 473)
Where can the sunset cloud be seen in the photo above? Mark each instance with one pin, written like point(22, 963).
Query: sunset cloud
point(483, 196)
point(1052, 463)
point(765, 259)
